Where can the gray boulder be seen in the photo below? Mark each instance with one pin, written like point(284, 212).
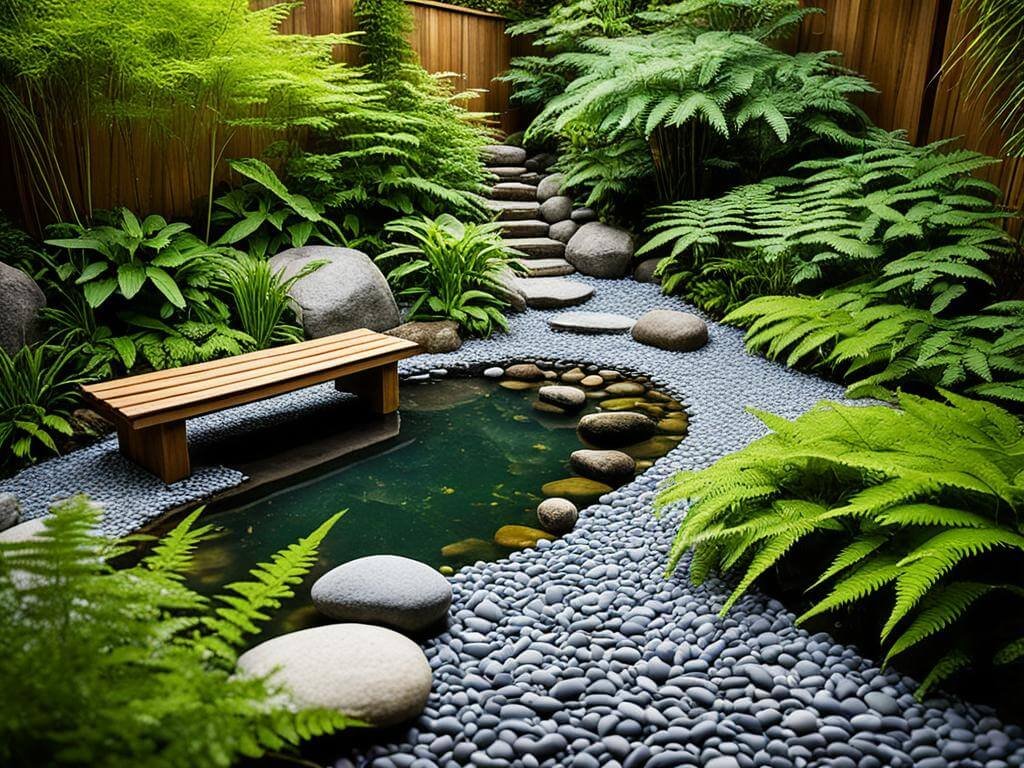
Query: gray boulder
point(435, 337)
point(614, 429)
point(550, 186)
point(346, 293)
point(600, 250)
point(503, 154)
point(671, 330)
point(562, 231)
point(611, 467)
point(384, 589)
point(557, 515)
point(569, 398)
point(370, 673)
point(584, 215)
point(20, 302)
point(644, 272)
point(556, 209)
point(10, 512)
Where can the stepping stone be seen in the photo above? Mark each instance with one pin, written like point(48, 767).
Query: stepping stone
point(514, 210)
point(507, 171)
point(553, 292)
point(513, 190)
point(503, 155)
point(591, 322)
point(525, 228)
point(548, 267)
point(536, 247)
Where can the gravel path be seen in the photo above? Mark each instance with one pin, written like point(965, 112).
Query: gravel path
point(579, 653)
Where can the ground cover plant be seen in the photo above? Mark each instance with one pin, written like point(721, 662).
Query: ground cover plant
point(449, 270)
point(918, 509)
point(119, 667)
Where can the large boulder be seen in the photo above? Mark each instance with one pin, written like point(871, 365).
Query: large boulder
point(672, 330)
point(346, 293)
point(370, 673)
point(434, 336)
point(20, 302)
point(384, 589)
point(600, 250)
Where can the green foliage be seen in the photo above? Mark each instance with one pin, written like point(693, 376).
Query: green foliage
point(261, 300)
point(993, 49)
point(920, 508)
point(109, 667)
point(451, 271)
point(265, 217)
point(17, 249)
point(38, 391)
point(163, 345)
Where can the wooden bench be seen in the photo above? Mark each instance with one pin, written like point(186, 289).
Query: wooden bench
point(150, 410)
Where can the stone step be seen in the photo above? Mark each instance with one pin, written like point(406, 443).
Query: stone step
point(552, 292)
point(513, 190)
point(591, 322)
point(510, 172)
point(503, 155)
point(548, 267)
point(525, 228)
point(537, 247)
point(514, 210)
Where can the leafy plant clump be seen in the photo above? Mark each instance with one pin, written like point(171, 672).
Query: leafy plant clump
point(131, 667)
point(452, 271)
point(920, 508)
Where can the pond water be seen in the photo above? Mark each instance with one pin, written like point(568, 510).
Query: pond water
point(471, 456)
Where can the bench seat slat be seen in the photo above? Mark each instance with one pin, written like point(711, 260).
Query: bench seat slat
point(237, 375)
point(269, 356)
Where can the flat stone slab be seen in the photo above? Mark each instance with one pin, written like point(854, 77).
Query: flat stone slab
point(513, 190)
point(514, 210)
point(548, 267)
point(525, 228)
point(536, 247)
point(552, 292)
point(507, 171)
point(591, 322)
point(503, 155)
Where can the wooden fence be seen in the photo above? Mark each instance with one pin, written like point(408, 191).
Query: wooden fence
point(900, 46)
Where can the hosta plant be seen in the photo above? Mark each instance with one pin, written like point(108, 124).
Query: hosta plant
point(130, 666)
point(449, 270)
point(918, 508)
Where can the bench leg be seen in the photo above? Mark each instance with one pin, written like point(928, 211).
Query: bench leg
point(378, 387)
point(162, 449)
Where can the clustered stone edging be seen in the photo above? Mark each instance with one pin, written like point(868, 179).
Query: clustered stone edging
point(578, 653)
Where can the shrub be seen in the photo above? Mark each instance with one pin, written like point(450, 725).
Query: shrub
point(38, 391)
point(451, 271)
point(131, 667)
point(261, 302)
point(919, 508)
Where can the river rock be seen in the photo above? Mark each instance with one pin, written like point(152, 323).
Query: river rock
point(676, 424)
point(613, 429)
point(654, 447)
point(644, 272)
point(346, 293)
point(550, 186)
point(670, 329)
point(384, 589)
point(30, 529)
point(556, 209)
point(600, 250)
point(562, 231)
point(434, 336)
point(626, 389)
point(10, 512)
point(520, 536)
point(503, 154)
point(568, 398)
point(20, 303)
point(579, 488)
point(524, 372)
point(584, 216)
point(610, 467)
point(370, 673)
point(557, 515)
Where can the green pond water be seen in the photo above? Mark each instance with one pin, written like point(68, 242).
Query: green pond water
point(471, 456)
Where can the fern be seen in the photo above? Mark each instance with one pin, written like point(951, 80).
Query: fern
point(128, 676)
point(921, 506)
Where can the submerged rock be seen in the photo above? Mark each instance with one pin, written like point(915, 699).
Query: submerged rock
point(567, 398)
point(370, 673)
point(435, 337)
point(611, 467)
point(615, 429)
point(384, 589)
point(671, 330)
point(626, 389)
point(557, 515)
point(520, 536)
point(468, 547)
point(621, 403)
point(524, 372)
point(653, 448)
point(676, 424)
point(581, 489)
